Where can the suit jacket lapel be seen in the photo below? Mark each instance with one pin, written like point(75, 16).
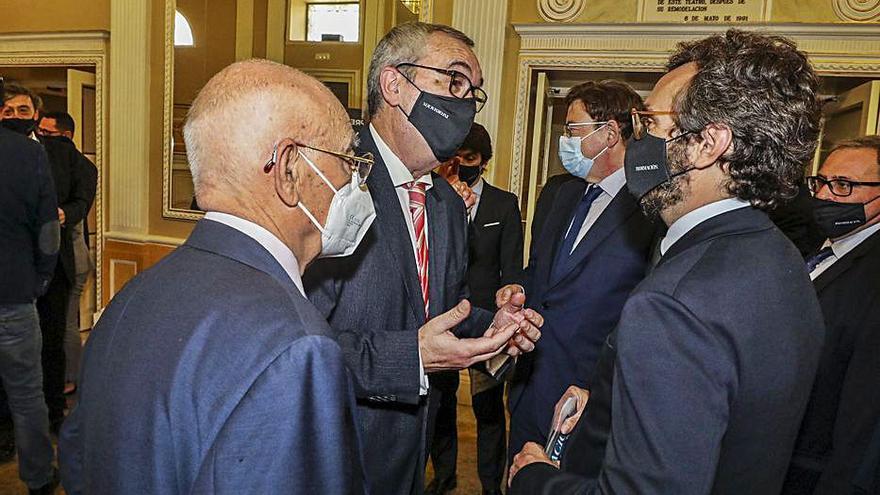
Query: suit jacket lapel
point(843, 264)
point(559, 219)
point(484, 206)
point(438, 245)
point(394, 233)
point(622, 206)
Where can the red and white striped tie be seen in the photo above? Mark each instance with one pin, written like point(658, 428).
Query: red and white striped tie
point(417, 209)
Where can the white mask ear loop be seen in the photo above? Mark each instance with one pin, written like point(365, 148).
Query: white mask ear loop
point(594, 132)
point(317, 170)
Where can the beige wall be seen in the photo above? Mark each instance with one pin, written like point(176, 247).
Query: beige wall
point(29, 16)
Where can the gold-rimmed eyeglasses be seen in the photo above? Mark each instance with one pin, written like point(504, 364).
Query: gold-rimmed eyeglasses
point(642, 119)
point(360, 163)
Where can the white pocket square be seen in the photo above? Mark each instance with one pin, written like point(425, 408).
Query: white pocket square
point(491, 224)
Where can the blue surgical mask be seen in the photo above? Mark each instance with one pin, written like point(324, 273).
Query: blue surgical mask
point(573, 158)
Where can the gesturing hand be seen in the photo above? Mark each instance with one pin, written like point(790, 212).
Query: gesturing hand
point(528, 322)
point(531, 452)
point(582, 396)
point(441, 350)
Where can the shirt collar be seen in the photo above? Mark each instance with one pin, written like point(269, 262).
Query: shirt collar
point(282, 254)
point(612, 184)
point(400, 175)
point(842, 246)
point(693, 218)
point(478, 187)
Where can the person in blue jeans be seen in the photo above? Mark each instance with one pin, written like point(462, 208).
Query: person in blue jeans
point(28, 252)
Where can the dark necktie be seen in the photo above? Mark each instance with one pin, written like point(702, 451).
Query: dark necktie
point(580, 216)
point(818, 258)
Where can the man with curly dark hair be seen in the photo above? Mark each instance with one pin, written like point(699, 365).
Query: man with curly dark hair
point(702, 386)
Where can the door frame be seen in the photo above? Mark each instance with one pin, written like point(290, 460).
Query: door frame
point(71, 49)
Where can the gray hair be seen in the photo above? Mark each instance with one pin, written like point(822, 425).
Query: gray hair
point(405, 43)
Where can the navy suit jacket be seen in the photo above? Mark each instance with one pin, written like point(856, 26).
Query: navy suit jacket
point(845, 403)
point(715, 353)
point(373, 302)
point(581, 306)
point(211, 373)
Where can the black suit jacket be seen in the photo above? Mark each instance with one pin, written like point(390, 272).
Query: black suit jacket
point(716, 351)
point(495, 255)
point(28, 220)
point(845, 402)
point(373, 302)
point(75, 184)
point(546, 199)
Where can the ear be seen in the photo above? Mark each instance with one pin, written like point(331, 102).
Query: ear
point(717, 140)
point(612, 134)
point(285, 175)
point(389, 83)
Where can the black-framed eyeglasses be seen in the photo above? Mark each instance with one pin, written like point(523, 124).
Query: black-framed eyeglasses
point(460, 86)
point(838, 187)
point(642, 119)
point(360, 164)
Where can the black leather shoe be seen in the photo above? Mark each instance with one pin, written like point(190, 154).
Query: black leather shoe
point(441, 487)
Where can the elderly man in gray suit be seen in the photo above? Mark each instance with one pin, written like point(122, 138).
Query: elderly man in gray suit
point(211, 372)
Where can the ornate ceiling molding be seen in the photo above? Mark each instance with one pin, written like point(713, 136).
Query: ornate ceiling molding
point(857, 10)
point(560, 10)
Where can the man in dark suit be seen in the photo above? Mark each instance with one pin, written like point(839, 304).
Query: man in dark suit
point(28, 252)
point(495, 246)
point(424, 90)
point(75, 182)
point(211, 372)
point(716, 350)
point(61, 126)
point(594, 248)
point(844, 406)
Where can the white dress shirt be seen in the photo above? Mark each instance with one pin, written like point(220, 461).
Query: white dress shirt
point(282, 254)
point(610, 186)
point(693, 218)
point(842, 246)
point(478, 193)
point(400, 175)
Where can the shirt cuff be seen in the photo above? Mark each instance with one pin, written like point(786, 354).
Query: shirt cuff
point(423, 378)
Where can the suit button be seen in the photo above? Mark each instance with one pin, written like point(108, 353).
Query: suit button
point(545, 305)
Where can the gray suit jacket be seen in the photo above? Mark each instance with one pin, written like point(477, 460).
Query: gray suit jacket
point(211, 373)
point(373, 302)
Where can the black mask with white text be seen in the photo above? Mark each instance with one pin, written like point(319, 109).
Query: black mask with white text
point(838, 219)
point(646, 164)
point(444, 122)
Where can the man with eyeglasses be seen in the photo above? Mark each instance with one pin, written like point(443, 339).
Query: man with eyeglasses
point(705, 380)
point(844, 406)
point(211, 372)
point(424, 91)
point(594, 232)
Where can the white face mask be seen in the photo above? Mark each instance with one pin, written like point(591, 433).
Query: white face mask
point(348, 220)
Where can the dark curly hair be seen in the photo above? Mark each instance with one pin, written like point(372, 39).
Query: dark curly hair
point(607, 100)
point(764, 89)
point(478, 140)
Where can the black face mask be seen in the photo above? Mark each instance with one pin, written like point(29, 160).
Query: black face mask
point(838, 219)
point(444, 122)
point(21, 126)
point(469, 175)
point(646, 166)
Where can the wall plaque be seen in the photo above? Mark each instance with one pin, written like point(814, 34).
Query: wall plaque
point(703, 11)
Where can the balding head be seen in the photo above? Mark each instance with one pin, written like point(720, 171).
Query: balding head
point(240, 114)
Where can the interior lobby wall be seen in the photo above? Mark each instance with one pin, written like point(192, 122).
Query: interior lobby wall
point(29, 16)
